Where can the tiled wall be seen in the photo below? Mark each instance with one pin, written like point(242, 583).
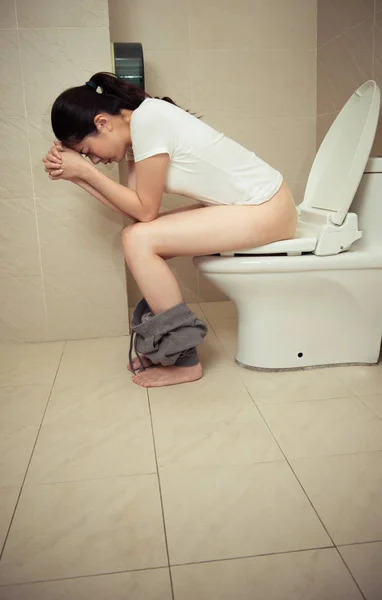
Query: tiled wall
point(61, 267)
point(349, 40)
point(249, 67)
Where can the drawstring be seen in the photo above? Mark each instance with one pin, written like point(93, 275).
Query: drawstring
point(133, 342)
point(131, 352)
point(138, 355)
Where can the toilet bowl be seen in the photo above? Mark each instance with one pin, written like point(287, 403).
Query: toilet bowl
point(316, 300)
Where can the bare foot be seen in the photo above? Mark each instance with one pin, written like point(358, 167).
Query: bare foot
point(137, 365)
point(161, 376)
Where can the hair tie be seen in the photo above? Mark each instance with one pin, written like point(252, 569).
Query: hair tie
point(94, 86)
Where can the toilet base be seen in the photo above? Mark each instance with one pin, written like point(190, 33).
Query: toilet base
point(306, 319)
point(311, 368)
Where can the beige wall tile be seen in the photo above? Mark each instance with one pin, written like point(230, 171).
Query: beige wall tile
point(55, 59)
point(220, 314)
point(156, 24)
point(19, 253)
point(246, 25)
point(15, 169)
point(85, 305)
point(78, 235)
point(138, 585)
point(173, 201)
point(54, 13)
point(378, 5)
point(185, 273)
point(11, 97)
point(187, 277)
point(298, 190)
point(7, 14)
point(208, 292)
point(334, 17)
point(324, 122)
point(41, 138)
point(286, 80)
point(168, 74)
point(377, 148)
point(343, 65)
point(287, 143)
point(22, 309)
point(134, 294)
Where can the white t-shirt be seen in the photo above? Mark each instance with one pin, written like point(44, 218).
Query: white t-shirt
point(204, 164)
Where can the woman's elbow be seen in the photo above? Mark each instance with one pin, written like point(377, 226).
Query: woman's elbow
point(147, 217)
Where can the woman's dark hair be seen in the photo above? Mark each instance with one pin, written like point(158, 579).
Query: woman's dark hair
point(74, 110)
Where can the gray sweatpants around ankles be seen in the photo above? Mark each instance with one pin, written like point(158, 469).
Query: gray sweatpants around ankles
point(168, 338)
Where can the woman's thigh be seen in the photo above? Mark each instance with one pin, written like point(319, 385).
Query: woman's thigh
point(220, 228)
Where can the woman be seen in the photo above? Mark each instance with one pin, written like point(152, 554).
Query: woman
point(243, 203)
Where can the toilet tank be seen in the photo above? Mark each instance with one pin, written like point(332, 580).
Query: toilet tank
point(367, 204)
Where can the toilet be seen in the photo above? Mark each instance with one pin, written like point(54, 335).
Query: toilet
point(316, 300)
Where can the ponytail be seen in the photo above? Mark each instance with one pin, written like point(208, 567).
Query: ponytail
point(74, 110)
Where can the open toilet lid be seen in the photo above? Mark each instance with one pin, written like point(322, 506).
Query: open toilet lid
point(343, 154)
point(336, 172)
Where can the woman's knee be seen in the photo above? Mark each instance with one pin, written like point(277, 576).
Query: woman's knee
point(134, 239)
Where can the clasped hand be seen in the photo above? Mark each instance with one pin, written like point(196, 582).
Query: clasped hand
point(64, 163)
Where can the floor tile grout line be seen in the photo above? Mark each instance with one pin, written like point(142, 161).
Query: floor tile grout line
point(291, 468)
point(359, 543)
point(87, 576)
point(200, 562)
point(314, 548)
point(366, 406)
point(160, 495)
point(350, 573)
point(261, 555)
point(31, 454)
point(86, 480)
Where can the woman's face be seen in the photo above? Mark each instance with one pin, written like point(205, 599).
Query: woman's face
point(110, 142)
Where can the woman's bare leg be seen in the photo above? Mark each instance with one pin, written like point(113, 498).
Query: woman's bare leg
point(146, 361)
point(205, 231)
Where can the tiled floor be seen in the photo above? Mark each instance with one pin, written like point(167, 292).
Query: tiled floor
point(241, 486)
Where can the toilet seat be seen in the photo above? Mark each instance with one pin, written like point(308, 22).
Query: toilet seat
point(325, 227)
point(315, 234)
point(355, 259)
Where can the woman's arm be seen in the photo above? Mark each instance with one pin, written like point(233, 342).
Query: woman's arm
point(124, 199)
point(91, 190)
point(141, 204)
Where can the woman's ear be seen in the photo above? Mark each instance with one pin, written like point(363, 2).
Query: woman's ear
point(101, 121)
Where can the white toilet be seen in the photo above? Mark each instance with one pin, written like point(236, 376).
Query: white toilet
point(316, 299)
